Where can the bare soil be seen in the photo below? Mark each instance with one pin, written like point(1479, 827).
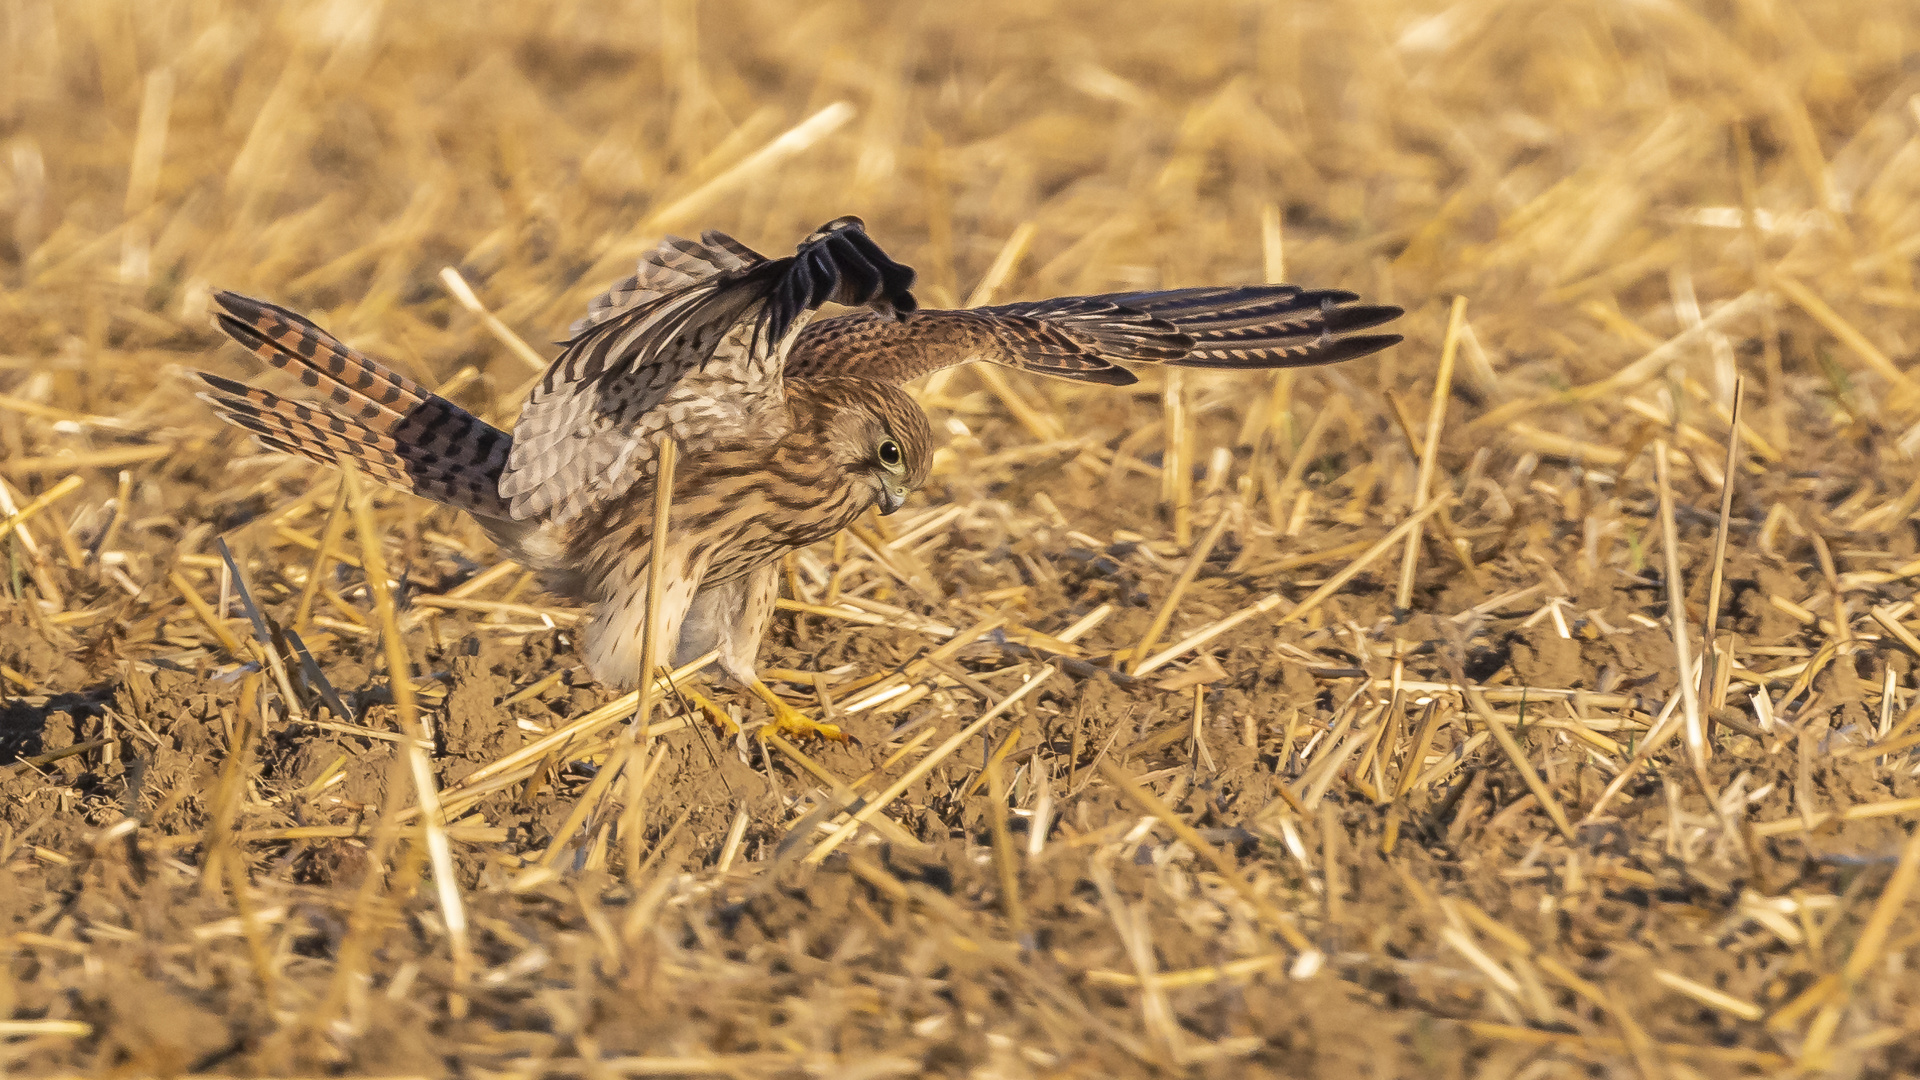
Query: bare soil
point(198, 878)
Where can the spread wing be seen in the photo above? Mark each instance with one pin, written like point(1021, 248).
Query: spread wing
point(675, 264)
point(697, 356)
point(1085, 338)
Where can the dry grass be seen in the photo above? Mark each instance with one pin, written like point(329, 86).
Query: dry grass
point(1225, 814)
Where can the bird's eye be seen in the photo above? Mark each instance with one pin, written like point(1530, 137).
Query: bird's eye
point(890, 453)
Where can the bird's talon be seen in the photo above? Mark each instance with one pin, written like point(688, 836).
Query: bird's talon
point(800, 727)
point(712, 711)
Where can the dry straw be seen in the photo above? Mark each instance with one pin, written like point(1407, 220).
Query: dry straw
point(453, 909)
point(1430, 450)
point(1694, 238)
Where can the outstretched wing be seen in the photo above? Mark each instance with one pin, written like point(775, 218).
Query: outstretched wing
point(673, 265)
point(1085, 338)
point(700, 361)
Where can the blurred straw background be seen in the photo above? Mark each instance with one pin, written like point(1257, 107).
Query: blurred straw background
point(1237, 818)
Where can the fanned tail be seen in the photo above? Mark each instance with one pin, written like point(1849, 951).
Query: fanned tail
point(390, 427)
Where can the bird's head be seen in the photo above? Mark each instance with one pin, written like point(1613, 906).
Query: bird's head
point(875, 437)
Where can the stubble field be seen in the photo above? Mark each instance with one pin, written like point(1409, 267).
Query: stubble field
point(1534, 699)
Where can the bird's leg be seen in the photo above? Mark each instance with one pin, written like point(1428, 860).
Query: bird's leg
point(736, 614)
point(790, 721)
point(787, 720)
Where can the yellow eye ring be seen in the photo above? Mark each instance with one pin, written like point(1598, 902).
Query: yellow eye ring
point(889, 453)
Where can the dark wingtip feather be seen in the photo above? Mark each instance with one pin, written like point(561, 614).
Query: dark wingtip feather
point(1353, 348)
point(1339, 320)
point(841, 263)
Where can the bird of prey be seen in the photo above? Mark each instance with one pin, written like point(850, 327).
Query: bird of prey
point(788, 430)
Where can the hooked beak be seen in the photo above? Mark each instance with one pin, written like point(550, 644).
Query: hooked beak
point(891, 498)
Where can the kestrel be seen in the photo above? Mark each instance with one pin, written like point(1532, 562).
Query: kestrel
point(787, 432)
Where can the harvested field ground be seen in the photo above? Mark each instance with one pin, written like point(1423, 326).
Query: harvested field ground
point(1536, 826)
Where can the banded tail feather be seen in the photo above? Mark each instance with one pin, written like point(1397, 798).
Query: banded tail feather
point(389, 426)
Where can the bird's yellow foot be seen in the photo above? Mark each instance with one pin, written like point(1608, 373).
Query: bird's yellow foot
point(714, 712)
point(793, 723)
